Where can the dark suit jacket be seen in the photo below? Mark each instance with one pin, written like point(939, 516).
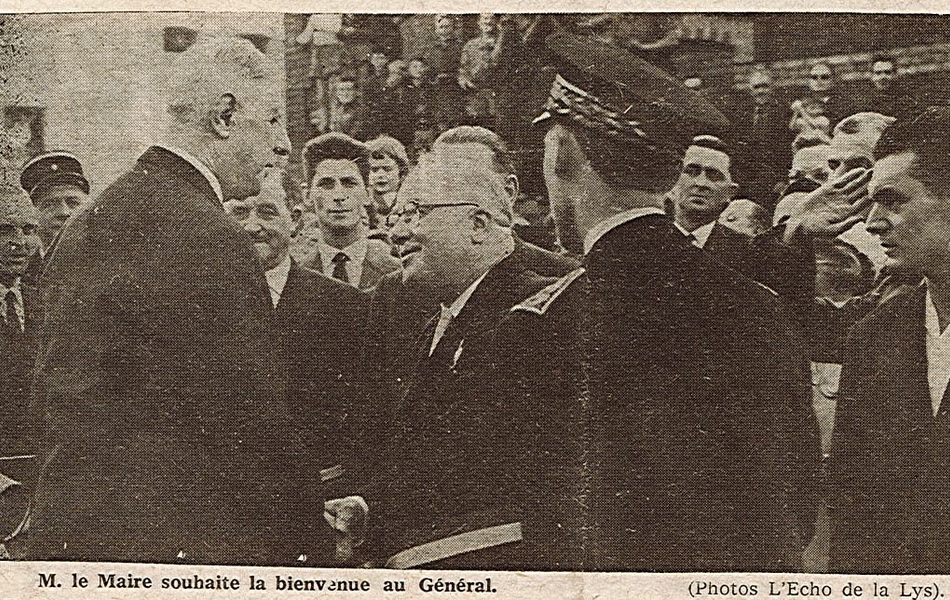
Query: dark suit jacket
point(787, 270)
point(890, 459)
point(398, 313)
point(158, 379)
point(704, 449)
point(319, 324)
point(479, 438)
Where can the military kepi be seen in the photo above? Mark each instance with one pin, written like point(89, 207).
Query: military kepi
point(53, 168)
point(612, 91)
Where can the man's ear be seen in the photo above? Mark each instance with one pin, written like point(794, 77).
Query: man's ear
point(511, 188)
point(479, 227)
point(222, 116)
point(563, 149)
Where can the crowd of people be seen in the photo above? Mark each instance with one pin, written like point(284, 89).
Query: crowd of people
point(692, 377)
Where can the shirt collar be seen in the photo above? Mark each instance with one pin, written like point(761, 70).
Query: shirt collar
point(356, 251)
point(600, 229)
point(277, 279)
point(200, 166)
point(702, 233)
point(462, 300)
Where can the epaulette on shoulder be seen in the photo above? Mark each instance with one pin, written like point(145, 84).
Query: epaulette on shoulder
point(539, 302)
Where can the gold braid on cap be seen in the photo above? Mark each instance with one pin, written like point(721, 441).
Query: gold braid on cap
point(569, 101)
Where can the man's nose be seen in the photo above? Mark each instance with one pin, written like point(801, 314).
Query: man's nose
point(876, 221)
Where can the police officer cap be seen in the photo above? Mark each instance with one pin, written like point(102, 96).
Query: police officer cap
point(53, 168)
point(607, 89)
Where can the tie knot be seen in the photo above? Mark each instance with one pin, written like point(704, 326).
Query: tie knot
point(340, 258)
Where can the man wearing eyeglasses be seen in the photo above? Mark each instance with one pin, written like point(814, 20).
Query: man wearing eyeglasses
point(480, 463)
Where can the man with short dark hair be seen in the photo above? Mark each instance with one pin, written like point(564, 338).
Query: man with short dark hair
point(701, 447)
point(885, 95)
point(890, 472)
point(337, 168)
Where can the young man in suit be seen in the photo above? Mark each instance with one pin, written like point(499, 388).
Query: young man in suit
point(890, 473)
point(701, 446)
point(169, 432)
point(318, 327)
point(337, 167)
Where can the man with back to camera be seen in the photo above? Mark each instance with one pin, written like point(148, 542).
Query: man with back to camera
point(168, 432)
point(318, 326)
point(338, 170)
point(702, 446)
point(890, 505)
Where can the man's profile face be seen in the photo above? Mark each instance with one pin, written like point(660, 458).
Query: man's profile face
point(257, 140)
point(704, 187)
point(882, 74)
point(912, 222)
point(819, 78)
point(56, 204)
point(338, 193)
point(266, 219)
point(436, 204)
point(19, 237)
point(561, 167)
point(383, 174)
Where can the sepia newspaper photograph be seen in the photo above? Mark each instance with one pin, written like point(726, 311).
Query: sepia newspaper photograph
point(526, 303)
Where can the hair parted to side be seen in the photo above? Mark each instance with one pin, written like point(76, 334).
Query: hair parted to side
point(385, 146)
point(213, 67)
point(472, 134)
point(928, 136)
point(337, 146)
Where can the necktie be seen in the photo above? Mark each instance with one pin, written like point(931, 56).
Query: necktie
point(339, 267)
point(11, 318)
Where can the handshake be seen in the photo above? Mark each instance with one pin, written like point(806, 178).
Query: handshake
point(348, 517)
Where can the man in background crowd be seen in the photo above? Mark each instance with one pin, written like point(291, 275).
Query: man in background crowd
point(338, 169)
point(58, 187)
point(317, 327)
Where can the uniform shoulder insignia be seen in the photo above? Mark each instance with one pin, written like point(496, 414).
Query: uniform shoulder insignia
point(539, 302)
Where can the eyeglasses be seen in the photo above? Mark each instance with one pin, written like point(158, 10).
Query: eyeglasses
point(883, 72)
point(822, 77)
point(818, 175)
point(414, 211)
point(695, 171)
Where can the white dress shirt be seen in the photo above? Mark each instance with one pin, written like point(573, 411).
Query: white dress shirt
point(451, 312)
point(18, 293)
point(699, 236)
point(200, 166)
point(938, 355)
point(354, 267)
point(277, 279)
point(599, 230)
